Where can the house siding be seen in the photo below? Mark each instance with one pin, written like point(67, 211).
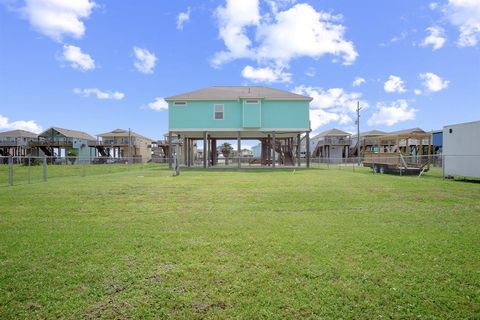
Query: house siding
point(274, 115)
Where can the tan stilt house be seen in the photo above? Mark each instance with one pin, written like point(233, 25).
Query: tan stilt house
point(126, 144)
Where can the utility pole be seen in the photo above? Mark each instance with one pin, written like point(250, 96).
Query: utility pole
point(358, 132)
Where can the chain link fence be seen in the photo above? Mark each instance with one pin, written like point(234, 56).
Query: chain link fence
point(25, 170)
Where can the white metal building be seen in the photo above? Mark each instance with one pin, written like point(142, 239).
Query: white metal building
point(461, 150)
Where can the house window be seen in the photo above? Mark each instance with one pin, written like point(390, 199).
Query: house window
point(180, 103)
point(218, 111)
point(251, 101)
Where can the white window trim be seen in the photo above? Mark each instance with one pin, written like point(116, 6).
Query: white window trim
point(223, 111)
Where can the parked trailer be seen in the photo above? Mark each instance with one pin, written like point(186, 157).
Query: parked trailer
point(406, 153)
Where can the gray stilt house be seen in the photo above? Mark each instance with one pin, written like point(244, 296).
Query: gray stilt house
point(333, 144)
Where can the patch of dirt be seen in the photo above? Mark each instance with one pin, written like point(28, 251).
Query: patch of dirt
point(203, 307)
point(111, 308)
point(154, 277)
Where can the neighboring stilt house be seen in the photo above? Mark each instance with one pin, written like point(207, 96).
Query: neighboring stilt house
point(16, 143)
point(57, 142)
point(366, 141)
point(332, 144)
point(274, 117)
point(126, 144)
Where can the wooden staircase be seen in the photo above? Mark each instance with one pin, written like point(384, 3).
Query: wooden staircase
point(285, 154)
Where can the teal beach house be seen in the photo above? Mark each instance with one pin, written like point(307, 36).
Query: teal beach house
point(275, 118)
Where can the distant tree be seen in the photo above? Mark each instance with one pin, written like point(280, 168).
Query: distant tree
point(226, 149)
point(72, 155)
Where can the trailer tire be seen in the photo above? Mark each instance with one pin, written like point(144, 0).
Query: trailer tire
point(382, 170)
point(375, 168)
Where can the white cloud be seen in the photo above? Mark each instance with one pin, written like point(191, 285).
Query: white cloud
point(145, 60)
point(394, 84)
point(465, 14)
point(433, 5)
point(332, 105)
point(303, 31)
point(182, 18)
point(233, 19)
point(77, 59)
point(267, 74)
point(102, 95)
point(158, 104)
point(417, 92)
point(58, 18)
point(433, 82)
point(436, 38)
point(275, 38)
point(358, 81)
point(29, 125)
point(390, 114)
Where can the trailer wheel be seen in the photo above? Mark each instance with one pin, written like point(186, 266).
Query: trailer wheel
point(382, 169)
point(375, 168)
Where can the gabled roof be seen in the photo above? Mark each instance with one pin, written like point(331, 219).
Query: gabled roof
point(332, 132)
point(18, 133)
point(68, 133)
point(371, 133)
point(122, 133)
point(406, 131)
point(238, 92)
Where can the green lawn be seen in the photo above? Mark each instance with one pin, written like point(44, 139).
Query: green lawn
point(240, 244)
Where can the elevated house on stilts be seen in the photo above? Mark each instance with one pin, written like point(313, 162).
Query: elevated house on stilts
point(16, 143)
point(274, 117)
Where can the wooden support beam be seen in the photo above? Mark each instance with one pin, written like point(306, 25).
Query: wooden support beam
point(308, 148)
point(239, 148)
point(204, 149)
point(208, 150)
point(299, 147)
point(169, 149)
point(274, 147)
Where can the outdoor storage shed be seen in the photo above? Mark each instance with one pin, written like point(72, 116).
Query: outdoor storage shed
point(461, 150)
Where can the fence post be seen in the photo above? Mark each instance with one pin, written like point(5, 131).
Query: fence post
point(44, 165)
point(29, 170)
point(10, 171)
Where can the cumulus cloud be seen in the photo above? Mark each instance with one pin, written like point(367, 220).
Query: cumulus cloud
point(58, 18)
point(358, 81)
point(182, 18)
point(433, 82)
point(77, 59)
point(267, 74)
point(158, 104)
point(29, 125)
point(275, 38)
point(464, 14)
point(394, 84)
point(391, 113)
point(417, 92)
point(144, 60)
point(436, 38)
point(99, 94)
point(332, 105)
point(233, 20)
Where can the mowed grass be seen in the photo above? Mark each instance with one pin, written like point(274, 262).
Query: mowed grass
point(240, 244)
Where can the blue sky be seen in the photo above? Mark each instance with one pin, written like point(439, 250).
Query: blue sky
point(100, 65)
